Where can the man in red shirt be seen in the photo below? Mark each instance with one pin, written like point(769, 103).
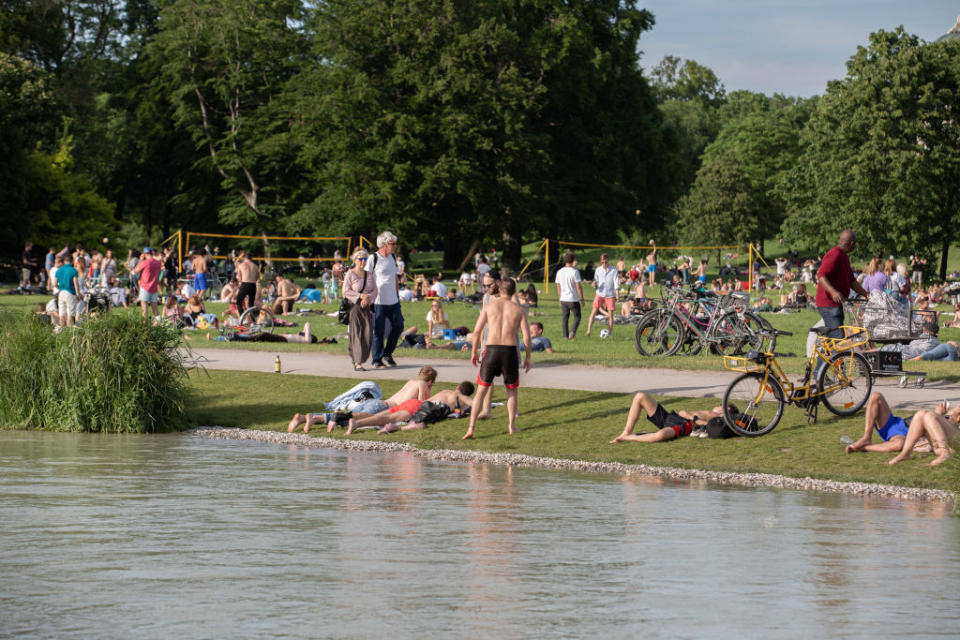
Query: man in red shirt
point(149, 270)
point(834, 281)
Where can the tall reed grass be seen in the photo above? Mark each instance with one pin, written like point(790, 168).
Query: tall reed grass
point(114, 373)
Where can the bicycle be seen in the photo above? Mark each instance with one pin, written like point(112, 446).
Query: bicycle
point(843, 383)
point(252, 320)
point(678, 326)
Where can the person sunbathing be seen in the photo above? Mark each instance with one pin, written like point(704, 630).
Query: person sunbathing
point(304, 336)
point(939, 427)
point(457, 401)
point(417, 388)
point(674, 424)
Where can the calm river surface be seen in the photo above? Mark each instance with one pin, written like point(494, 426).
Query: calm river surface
point(175, 536)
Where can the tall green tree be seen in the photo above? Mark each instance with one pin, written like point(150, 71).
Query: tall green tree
point(881, 153)
point(722, 207)
point(478, 121)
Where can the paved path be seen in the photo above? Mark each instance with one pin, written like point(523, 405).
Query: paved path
point(696, 384)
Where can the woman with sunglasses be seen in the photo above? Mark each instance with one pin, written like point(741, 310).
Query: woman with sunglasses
point(360, 289)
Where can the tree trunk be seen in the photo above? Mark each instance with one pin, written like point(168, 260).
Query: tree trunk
point(469, 255)
point(512, 242)
point(944, 252)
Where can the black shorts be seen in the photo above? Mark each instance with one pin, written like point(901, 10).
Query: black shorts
point(247, 291)
point(500, 359)
point(663, 420)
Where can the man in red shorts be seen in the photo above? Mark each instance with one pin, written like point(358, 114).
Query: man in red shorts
point(674, 424)
point(503, 318)
point(606, 281)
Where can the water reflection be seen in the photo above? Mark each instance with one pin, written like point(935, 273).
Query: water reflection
point(130, 536)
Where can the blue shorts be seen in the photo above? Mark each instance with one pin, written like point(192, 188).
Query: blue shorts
point(651, 268)
point(702, 279)
point(199, 282)
point(894, 426)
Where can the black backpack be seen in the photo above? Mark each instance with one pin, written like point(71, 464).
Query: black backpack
point(717, 428)
point(430, 412)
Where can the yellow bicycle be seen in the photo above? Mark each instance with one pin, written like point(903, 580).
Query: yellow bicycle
point(843, 383)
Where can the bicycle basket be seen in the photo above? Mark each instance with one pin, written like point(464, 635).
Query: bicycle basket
point(853, 337)
point(746, 365)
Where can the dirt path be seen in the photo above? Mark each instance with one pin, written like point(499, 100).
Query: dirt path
point(696, 384)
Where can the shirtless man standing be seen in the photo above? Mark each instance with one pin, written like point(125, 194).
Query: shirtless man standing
point(418, 389)
point(249, 277)
point(199, 274)
point(652, 264)
point(502, 317)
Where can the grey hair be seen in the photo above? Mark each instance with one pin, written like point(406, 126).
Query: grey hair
point(385, 238)
point(359, 253)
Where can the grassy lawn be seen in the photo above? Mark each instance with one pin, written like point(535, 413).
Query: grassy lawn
point(616, 351)
point(575, 425)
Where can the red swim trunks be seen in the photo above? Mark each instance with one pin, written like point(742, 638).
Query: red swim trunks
point(410, 406)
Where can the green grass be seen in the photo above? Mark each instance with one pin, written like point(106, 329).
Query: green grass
point(575, 425)
point(616, 351)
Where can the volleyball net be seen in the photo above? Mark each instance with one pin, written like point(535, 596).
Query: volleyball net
point(300, 250)
point(551, 253)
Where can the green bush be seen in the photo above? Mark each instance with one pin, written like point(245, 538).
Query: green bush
point(114, 373)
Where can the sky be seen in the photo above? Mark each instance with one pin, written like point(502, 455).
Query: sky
point(774, 46)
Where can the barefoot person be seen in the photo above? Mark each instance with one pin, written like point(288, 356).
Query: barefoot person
point(457, 401)
point(891, 429)
point(674, 424)
point(939, 427)
point(418, 388)
point(502, 317)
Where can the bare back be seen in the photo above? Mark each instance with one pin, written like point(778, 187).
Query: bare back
point(199, 264)
point(413, 389)
point(247, 272)
point(452, 398)
point(503, 318)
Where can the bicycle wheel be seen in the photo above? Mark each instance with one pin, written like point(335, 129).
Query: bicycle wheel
point(646, 337)
point(757, 404)
point(256, 319)
point(727, 334)
point(849, 373)
point(674, 334)
point(758, 330)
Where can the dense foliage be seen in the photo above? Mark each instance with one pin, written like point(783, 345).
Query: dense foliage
point(457, 124)
point(114, 373)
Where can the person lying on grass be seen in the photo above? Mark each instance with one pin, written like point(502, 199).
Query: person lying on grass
point(454, 400)
point(891, 429)
point(417, 388)
point(933, 431)
point(304, 336)
point(674, 424)
point(939, 427)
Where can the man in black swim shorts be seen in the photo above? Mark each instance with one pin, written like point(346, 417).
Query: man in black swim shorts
point(500, 360)
point(670, 425)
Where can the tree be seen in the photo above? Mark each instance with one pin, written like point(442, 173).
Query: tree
point(722, 207)
point(765, 144)
point(687, 80)
point(475, 121)
point(880, 152)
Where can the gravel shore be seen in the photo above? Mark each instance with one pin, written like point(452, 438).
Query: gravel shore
point(719, 477)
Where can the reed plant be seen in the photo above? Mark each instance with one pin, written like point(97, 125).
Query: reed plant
point(115, 373)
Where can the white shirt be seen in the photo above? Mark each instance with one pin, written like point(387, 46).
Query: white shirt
point(781, 266)
point(482, 268)
point(465, 278)
point(386, 278)
point(606, 281)
point(401, 265)
point(406, 294)
point(439, 290)
point(438, 327)
point(567, 279)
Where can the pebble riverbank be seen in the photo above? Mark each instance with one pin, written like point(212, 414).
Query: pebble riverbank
point(453, 455)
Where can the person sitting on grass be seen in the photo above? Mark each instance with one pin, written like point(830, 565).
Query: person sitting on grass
point(418, 388)
point(927, 346)
point(674, 424)
point(538, 341)
point(287, 294)
point(437, 320)
point(891, 429)
point(937, 426)
point(456, 400)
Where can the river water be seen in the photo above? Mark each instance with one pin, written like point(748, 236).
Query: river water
point(175, 536)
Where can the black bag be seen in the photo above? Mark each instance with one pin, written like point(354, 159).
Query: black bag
point(343, 313)
point(430, 412)
point(717, 428)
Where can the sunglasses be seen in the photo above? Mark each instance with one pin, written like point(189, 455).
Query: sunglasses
point(361, 259)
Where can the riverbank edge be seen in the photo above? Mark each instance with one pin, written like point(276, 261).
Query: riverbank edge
point(560, 464)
